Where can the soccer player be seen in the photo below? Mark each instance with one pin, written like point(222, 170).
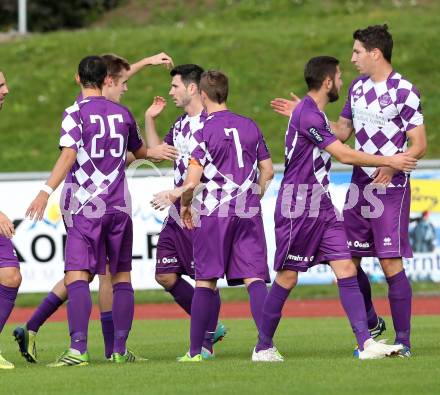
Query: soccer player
point(115, 85)
point(10, 277)
point(174, 256)
point(383, 110)
point(234, 164)
point(95, 135)
point(307, 230)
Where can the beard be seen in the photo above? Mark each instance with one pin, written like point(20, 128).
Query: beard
point(333, 95)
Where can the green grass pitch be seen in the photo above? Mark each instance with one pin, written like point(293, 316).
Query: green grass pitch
point(317, 351)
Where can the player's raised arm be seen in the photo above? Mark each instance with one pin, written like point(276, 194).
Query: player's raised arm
point(6, 226)
point(285, 106)
point(62, 166)
point(152, 112)
point(158, 59)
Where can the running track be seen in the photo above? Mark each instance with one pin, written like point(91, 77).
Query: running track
point(303, 308)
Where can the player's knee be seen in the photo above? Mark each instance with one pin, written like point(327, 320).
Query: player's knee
point(287, 279)
point(391, 266)
point(166, 280)
point(346, 269)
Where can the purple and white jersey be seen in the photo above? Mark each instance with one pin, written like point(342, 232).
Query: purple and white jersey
point(307, 164)
point(230, 148)
point(183, 136)
point(101, 132)
point(382, 113)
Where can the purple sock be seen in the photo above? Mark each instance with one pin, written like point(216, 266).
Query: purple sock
point(365, 287)
point(7, 301)
point(272, 309)
point(123, 312)
point(108, 332)
point(46, 308)
point(257, 296)
point(208, 342)
point(354, 306)
point(183, 293)
point(399, 295)
point(79, 308)
point(202, 306)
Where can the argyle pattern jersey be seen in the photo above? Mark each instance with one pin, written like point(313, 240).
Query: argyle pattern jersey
point(382, 113)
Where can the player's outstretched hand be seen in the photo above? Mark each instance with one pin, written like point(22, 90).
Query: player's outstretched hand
point(383, 175)
point(6, 226)
point(404, 162)
point(159, 103)
point(162, 152)
point(163, 199)
point(285, 106)
point(161, 58)
point(35, 211)
point(187, 217)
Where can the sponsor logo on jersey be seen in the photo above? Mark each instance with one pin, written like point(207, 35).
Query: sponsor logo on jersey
point(169, 260)
point(358, 244)
point(300, 258)
point(315, 134)
point(387, 241)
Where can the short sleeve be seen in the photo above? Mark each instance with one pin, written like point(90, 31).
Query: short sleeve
point(134, 135)
point(317, 130)
point(262, 150)
point(409, 108)
point(71, 129)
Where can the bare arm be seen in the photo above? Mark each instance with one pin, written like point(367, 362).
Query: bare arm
point(193, 177)
point(418, 145)
point(62, 166)
point(265, 168)
point(6, 226)
point(418, 142)
point(161, 58)
point(349, 156)
point(285, 106)
point(343, 128)
point(152, 112)
point(156, 154)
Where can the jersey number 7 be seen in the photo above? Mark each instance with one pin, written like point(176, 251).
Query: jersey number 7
point(237, 143)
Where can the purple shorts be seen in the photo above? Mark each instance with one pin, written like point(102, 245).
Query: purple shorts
point(8, 256)
point(93, 242)
point(385, 236)
point(174, 253)
point(308, 240)
point(233, 246)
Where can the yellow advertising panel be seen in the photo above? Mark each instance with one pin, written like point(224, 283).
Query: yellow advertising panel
point(425, 195)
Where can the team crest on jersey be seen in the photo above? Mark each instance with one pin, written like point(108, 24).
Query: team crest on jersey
point(385, 100)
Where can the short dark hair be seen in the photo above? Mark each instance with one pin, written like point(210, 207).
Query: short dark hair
point(115, 65)
point(376, 36)
point(318, 69)
point(189, 73)
point(92, 71)
point(216, 86)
